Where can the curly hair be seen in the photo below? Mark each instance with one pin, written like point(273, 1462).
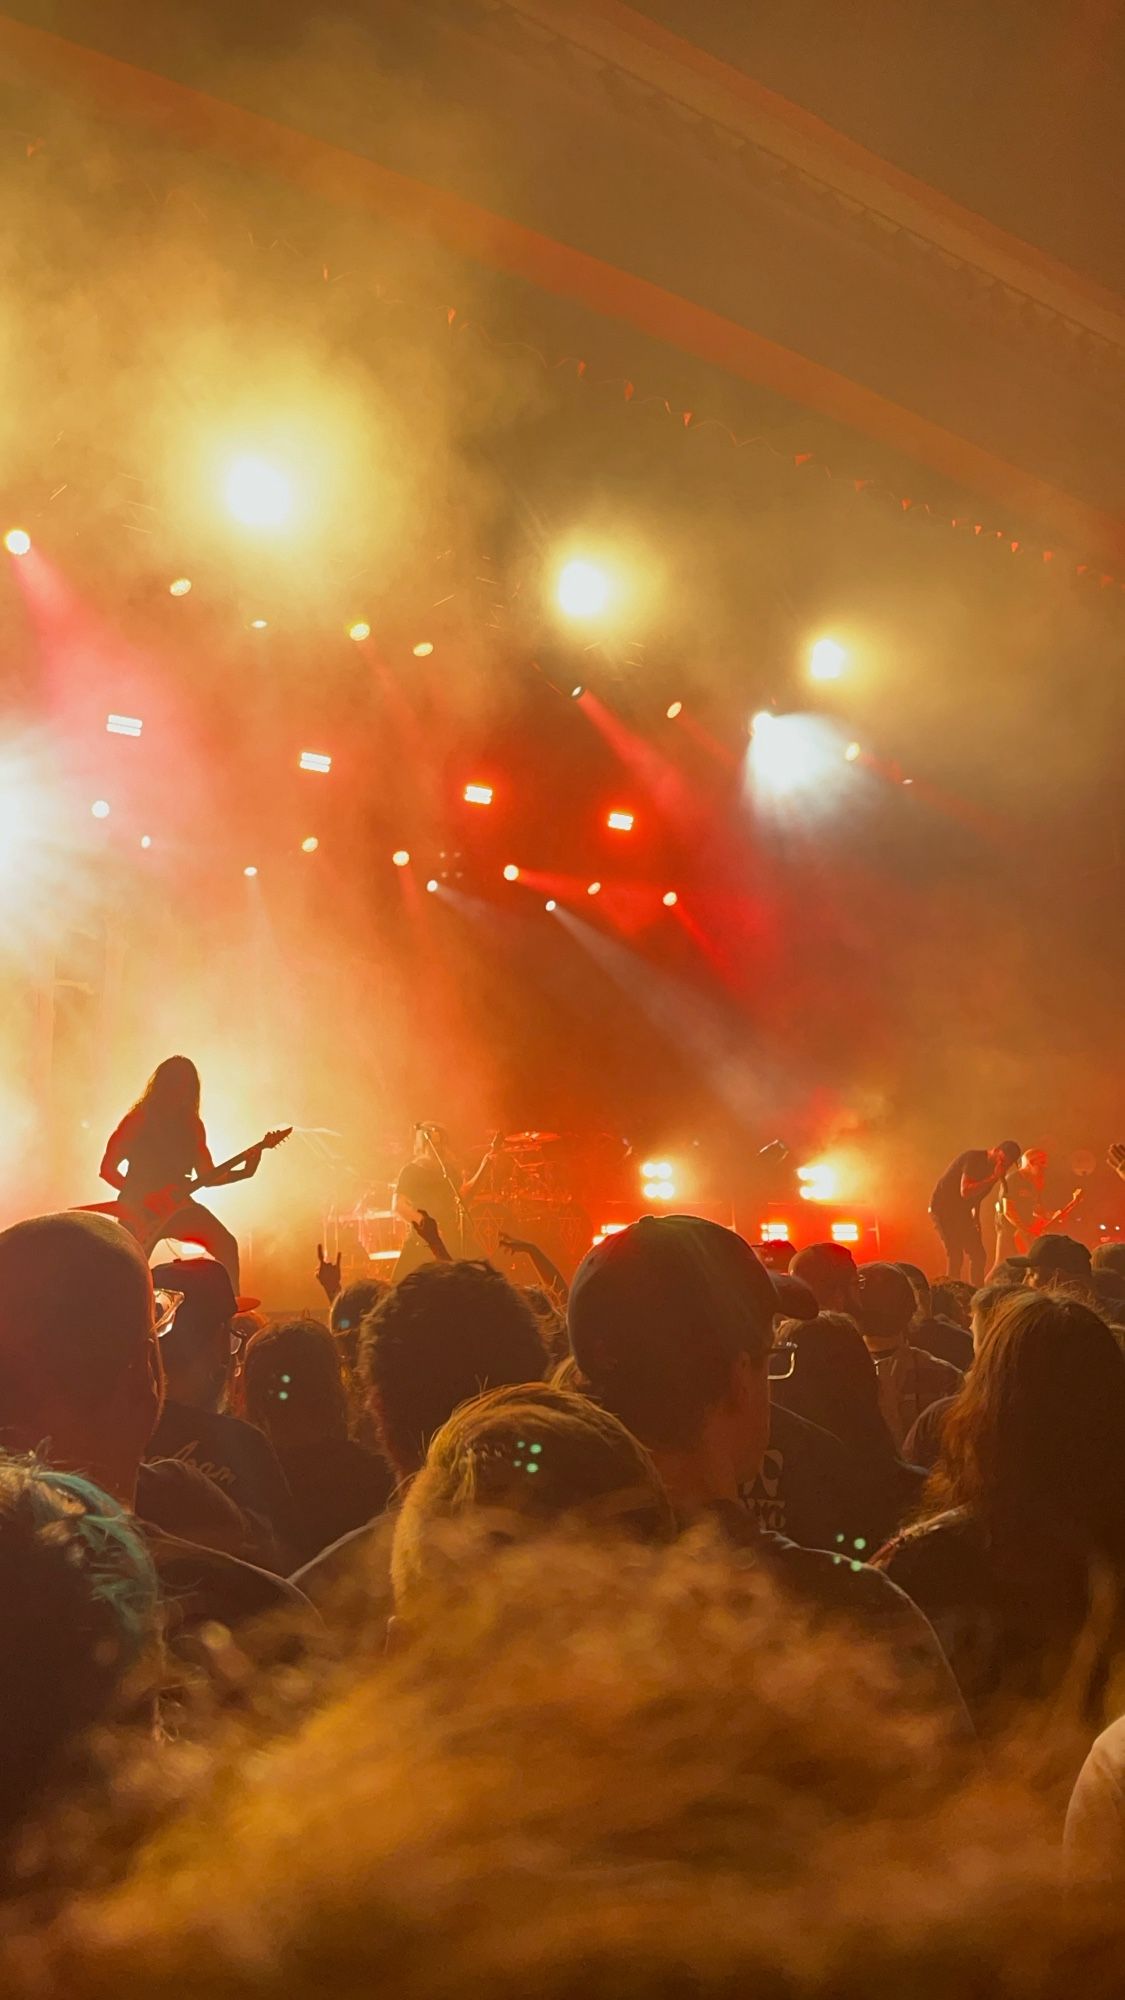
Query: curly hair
point(441, 1337)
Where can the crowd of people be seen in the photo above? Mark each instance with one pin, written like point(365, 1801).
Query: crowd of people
point(726, 1617)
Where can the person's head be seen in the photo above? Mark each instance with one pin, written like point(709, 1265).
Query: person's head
point(1033, 1163)
point(671, 1324)
point(1035, 1442)
point(1006, 1155)
point(291, 1384)
point(1109, 1257)
point(514, 1463)
point(197, 1348)
point(952, 1300)
point(1055, 1261)
point(776, 1252)
point(834, 1383)
point(81, 1607)
point(430, 1139)
point(887, 1305)
point(986, 1304)
point(172, 1090)
point(922, 1295)
point(80, 1369)
point(441, 1337)
point(829, 1270)
point(349, 1308)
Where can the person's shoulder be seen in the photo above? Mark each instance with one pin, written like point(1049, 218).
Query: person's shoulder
point(940, 1370)
point(203, 1585)
point(358, 1563)
point(793, 1432)
point(926, 1544)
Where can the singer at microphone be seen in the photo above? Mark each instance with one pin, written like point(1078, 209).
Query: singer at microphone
point(433, 1180)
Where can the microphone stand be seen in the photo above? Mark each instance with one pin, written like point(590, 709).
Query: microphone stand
point(462, 1211)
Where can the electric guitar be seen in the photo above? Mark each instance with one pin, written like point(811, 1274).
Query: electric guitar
point(147, 1218)
point(1042, 1223)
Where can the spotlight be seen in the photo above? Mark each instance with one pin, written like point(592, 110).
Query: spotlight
point(827, 660)
point(786, 751)
point(845, 1232)
point(179, 586)
point(146, 840)
point(851, 753)
point(550, 904)
point(621, 822)
point(669, 899)
point(659, 1191)
point(258, 624)
point(361, 630)
point(423, 649)
point(250, 872)
point(595, 889)
point(315, 760)
point(17, 541)
point(818, 1181)
point(401, 857)
point(657, 1170)
point(432, 885)
point(123, 725)
point(100, 808)
point(583, 590)
point(674, 708)
point(577, 691)
point(774, 1232)
point(511, 872)
point(258, 494)
point(478, 795)
point(309, 844)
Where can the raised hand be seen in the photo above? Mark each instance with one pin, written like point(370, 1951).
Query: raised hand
point(328, 1272)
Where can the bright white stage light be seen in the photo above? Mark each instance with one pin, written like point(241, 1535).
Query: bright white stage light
point(595, 889)
point(550, 904)
point(583, 590)
point(669, 899)
point(250, 872)
point(123, 725)
point(827, 660)
point(620, 822)
point(315, 760)
point(17, 541)
point(786, 751)
point(664, 1190)
point(819, 1181)
point(309, 844)
point(674, 709)
point(359, 631)
point(852, 753)
point(100, 808)
point(179, 586)
point(423, 649)
point(401, 857)
point(432, 885)
point(146, 840)
point(258, 494)
point(511, 872)
point(478, 795)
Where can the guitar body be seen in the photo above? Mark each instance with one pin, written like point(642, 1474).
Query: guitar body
point(1043, 1223)
point(148, 1220)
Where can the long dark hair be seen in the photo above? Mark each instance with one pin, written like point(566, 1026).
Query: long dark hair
point(171, 1095)
point(1034, 1448)
point(293, 1385)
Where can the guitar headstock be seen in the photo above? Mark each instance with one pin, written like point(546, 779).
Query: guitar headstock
point(273, 1139)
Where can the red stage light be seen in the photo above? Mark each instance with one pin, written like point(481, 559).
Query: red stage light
point(511, 872)
point(478, 795)
point(774, 1232)
point(845, 1232)
point(669, 899)
point(621, 822)
point(315, 760)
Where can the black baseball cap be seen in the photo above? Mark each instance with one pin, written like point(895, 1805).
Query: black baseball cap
point(663, 1287)
point(1055, 1255)
point(209, 1296)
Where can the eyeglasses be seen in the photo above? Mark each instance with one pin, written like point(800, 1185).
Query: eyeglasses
point(167, 1304)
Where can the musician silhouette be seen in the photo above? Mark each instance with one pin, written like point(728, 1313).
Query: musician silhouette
point(161, 1141)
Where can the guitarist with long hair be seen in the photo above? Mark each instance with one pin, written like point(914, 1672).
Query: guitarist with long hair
point(161, 1141)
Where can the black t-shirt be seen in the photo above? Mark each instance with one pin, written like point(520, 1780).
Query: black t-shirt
point(811, 1488)
point(239, 1460)
point(336, 1486)
point(923, 1442)
point(944, 1339)
point(947, 1198)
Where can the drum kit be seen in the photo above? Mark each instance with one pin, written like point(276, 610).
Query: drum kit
point(532, 1189)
